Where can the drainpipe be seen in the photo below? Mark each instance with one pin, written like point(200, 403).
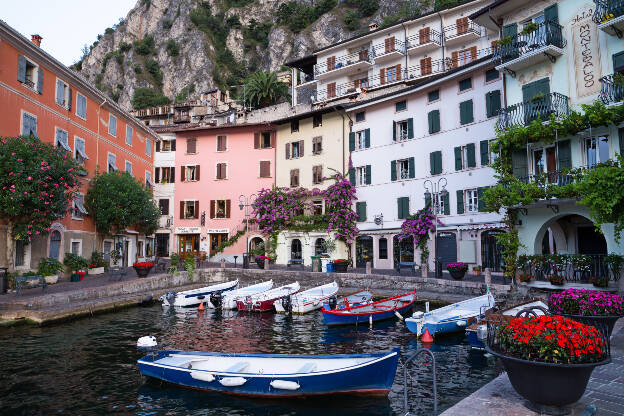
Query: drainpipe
point(442, 39)
point(97, 161)
point(405, 47)
point(343, 114)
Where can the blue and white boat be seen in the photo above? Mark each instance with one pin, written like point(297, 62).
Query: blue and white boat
point(194, 297)
point(354, 299)
point(275, 375)
point(451, 318)
point(370, 312)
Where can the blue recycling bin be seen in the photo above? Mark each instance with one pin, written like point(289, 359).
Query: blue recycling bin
point(330, 267)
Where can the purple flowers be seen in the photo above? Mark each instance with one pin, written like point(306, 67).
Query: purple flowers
point(586, 302)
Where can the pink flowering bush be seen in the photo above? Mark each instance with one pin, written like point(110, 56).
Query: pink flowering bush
point(418, 227)
point(586, 302)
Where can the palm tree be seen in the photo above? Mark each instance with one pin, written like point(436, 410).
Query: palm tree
point(263, 89)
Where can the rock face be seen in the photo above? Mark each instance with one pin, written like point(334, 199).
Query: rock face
point(114, 65)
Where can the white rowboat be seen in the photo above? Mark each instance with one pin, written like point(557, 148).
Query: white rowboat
point(307, 300)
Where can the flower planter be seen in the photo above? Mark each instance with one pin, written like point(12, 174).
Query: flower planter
point(457, 274)
point(547, 384)
point(142, 271)
point(600, 322)
point(340, 267)
point(51, 279)
point(260, 263)
point(77, 276)
point(96, 270)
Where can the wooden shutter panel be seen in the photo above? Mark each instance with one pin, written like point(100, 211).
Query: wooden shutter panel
point(425, 66)
point(432, 163)
point(173, 145)
point(182, 173)
point(458, 158)
point(519, 164)
point(470, 150)
point(424, 35)
point(438, 157)
point(301, 153)
point(362, 211)
point(480, 200)
point(69, 101)
point(172, 174)
point(412, 168)
point(393, 170)
point(21, 68)
point(564, 153)
point(455, 59)
point(181, 210)
point(212, 208)
point(331, 63)
point(40, 82)
point(465, 112)
point(351, 141)
point(492, 103)
point(473, 53)
point(510, 30)
point(394, 129)
point(228, 205)
point(367, 138)
point(400, 214)
point(398, 72)
point(460, 201)
point(462, 25)
point(158, 145)
point(447, 204)
point(410, 128)
point(196, 209)
point(551, 14)
point(484, 147)
point(331, 90)
point(272, 139)
point(256, 140)
point(382, 75)
point(406, 209)
point(389, 44)
point(352, 176)
point(196, 172)
point(157, 175)
point(287, 150)
point(368, 174)
point(60, 93)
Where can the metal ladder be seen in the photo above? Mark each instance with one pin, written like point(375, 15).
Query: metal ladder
point(435, 389)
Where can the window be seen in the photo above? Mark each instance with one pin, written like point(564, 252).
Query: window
point(434, 121)
point(439, 204)
point(163, 204)
point(294, 126)
point(359, 83)
point(317, 145)
point(391, 74)
point(140, 248)
point(191, 145)
point(76, 247)
point(222, 208)
point(221, 171)
point(465, 112)
point(360, 116)
point(360, 139)
point(165, 146)
point(29, 124)
point(464, 57)
point(79, 151)
point(472, 200)
point(402, 130)
point(597, 150)
point(487, 155)
point(618, 62)
point(148, 180)
point(317, 174)
point(435, 162)
point(29, 74)
point(191, 173)
point(78, 207)
point(433, 96)
point(296, 149)
point(112, 125)
point(190, 209)
point(403, 207)
point(400, 106)
point(63, 94)
point(266, 141)
point(360, 210)
point(61, 140)
point(129, 167)
point(491, 75)
point(317, 120)
point(148, 147)
point(265, 168)
point(465, 157)
point(81, 106)
point(465, 84)
point(221, 143)
point(319, 246)
point(129, 136)
point(20, 252)
point(492, 103)
point(294, 178)
point(317, 207)
point(383, 248)
point(112, 162)
point(165, 174)
point(360, 176)
point(403, 168)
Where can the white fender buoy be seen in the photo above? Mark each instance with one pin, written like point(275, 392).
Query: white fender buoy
point(461, 323)
point(398, 315)
point(370, 320)
point(232, 381)
point(285, 385)
point(200, 375)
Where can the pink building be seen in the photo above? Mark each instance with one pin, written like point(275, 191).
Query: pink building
point(215, 165)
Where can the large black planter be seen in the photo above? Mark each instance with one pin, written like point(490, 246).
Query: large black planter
point(340, 266)
point(142, 271)
point(547, 385)
point(600, 322)
point(457, 274)
point(260, 263)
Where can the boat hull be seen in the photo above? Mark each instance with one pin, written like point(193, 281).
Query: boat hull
point(473, 339)
point(333, 319)
point(437, 328)
point(257, 306)
point(195, 297)
point(373, 378)
point(230, 298)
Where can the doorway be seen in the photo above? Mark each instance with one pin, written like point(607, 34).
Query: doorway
point(296, 249)
point(363, 251)
point(188, 243)
point(162, 245)
point(491, 251)
point(55, 244)
point(403, 250)
point(447, 248)
point(215, 241)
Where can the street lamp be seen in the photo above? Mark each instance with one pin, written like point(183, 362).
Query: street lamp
point(439, 193)
point(246, 202)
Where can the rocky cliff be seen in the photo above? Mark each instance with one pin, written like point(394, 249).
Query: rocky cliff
point(178, 48)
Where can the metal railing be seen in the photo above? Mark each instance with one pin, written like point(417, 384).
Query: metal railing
point(412, 357)
point(612, 88)
point(573, 267)
point(460, 29)
point(417, 40)
point(547, 33)
point(363, 55)
point(607, 10)
point(356, 86)
point(29, 83)
point(383, 49)
point(555, 177)
point(537, 108)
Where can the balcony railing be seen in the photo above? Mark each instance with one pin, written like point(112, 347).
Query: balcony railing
point(612, 90)
point(578, 268)
point(182, 118)
point(356, 86)
point(540, 107)
point(548, 33)
point(607, 10)
point(363, 55)
point(29, 83)
point(384, 49)
point(556, 177)
point(433, 36)
point(460, 29)
point(427, 68)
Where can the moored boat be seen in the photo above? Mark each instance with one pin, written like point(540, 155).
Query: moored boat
point(229, 298)
point(450, 318)
point(371, 312)
point(275, 375)
point(306, 300)
point(196, 296)
point(264, 301)
point(354, 299)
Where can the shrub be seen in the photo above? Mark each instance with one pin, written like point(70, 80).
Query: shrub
point(166, 24)
point(145, 46)
point(138, 69)
point(153, 68)
point(148, 97)
point(97, 260)
point(189, 265)
point(124, 46)
point(75, 262)
point(109, 31)
point(586, 302)
point(172, 48)
point(49, 266)
point(351, 20)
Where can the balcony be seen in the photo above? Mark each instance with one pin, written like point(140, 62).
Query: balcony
point(462, 32)
point(537, 108)
point(612, 90)
point(424, 42)
point(429, 67)
point(527, 49)
point(389, 50)
point(346, 64)
point(305, 79)
point(182, 118)
point(609, 16)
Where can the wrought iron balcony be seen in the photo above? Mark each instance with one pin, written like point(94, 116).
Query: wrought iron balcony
point(555, 177)
point(540, 107)
point(430, 39)
point(29, 83)
point(360, 85)
point(461, 29)
point(361, 56)
point(609, 13)
point(388, 49)
point(612, 90)
point(546, 34)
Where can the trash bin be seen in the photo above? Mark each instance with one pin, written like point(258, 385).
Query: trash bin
point(324, 262)
point(4, 280)
point(316, 263)
point(245, 261)
point(330, 267)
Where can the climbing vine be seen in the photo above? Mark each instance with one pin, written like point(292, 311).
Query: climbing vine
point(418, 226)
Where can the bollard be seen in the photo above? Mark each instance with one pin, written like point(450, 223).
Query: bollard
point(369, 267)
point(423, 271)
point(223, 263)
point(266, 264)
point(488, 276)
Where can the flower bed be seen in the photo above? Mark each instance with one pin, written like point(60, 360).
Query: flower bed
point(260, 261)
point(586, 302)
point(340, 265)
point(556, 279)
point(525, 277)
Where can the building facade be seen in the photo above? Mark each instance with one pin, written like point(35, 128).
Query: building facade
point(164, 191)
point(43, 97)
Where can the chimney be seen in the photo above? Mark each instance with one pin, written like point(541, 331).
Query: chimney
point(36, 39)
point(373, 26)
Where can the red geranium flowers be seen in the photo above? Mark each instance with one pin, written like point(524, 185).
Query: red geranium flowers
point(143, 265)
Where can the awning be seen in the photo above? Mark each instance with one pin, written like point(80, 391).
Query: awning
point(111, 166)
point(82, 153)
point(80, 207)
point(482, 226)
point(64, 145)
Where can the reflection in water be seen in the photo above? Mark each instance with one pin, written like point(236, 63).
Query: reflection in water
point(89, 366)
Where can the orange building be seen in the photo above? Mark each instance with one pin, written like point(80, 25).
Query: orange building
point(39, 95)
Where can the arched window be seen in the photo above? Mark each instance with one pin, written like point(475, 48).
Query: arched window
point(295, 249)
point(55, 244)
point(319, 246)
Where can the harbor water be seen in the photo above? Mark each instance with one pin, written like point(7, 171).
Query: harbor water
point(88, 366)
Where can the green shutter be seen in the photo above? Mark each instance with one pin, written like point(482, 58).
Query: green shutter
point(434, 121)
point(465, 84)
point(551, 14)
point(360, 209)
point(406, 208)
point(510, 30)
point(367, 138)
point(433, 95)
point(400, 105)
point(491, 75)
point(465, 112)
point(351, 141)
point(492, 103)
point(394, 131)
point(438, 157)
point(69, 101)
point(40, 80)
point(400, 214)
point(470, 150)
point(488, 105)
point(458, 158)
point(621, 137)
point(21, 68)
point(368, 174)
point(447, 204)
point(410, 128)
point(427, 200)
point(618, 62)
point(352, 176)
point(519, 164)
point(564, 154)
point(484, 146)
point(460, 201)
point(393, 170)
point(480, 201)
point(531, 89)
point(412, 168)
point(432, 163)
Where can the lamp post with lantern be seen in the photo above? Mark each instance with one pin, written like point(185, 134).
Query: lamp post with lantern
point(246, 202)
point(436, 192)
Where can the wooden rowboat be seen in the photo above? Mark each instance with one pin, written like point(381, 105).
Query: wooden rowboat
point(371, 312)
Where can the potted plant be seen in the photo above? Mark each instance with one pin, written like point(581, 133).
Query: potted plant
point(77, 265)
point(115, 256)
point(142, 268)
point(556, 279)
point(548, 359)
point(97, 263)
point(591, 307)
point(525, 277)
point(260, 261)
point(529, 28)
point(340, 265)
point(457, 270)
point(50, 268)
point(175, 262)
point(600, 281)
point(614, 263)
point(476, 270)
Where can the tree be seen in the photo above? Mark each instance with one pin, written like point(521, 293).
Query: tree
point(118, 201)
point(147, 97)
point(263, 89)
point(37, 186)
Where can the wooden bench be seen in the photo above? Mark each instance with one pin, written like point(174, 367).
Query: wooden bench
point(25, 282)
point(406, 265)
point(295, 262)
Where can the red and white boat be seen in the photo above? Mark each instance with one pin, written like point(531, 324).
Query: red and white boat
point(263, 302)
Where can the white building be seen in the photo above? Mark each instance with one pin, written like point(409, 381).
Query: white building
point(164, 188)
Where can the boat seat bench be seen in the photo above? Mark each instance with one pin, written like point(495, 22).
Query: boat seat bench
point(238, 367)
point(306, 368)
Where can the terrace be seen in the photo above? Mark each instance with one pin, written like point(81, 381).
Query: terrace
point(609, 16)
point(540, 107)
point(345, 64)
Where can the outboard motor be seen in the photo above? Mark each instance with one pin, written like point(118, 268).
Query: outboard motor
point(147, 343)
point(333, 302)
point(248, 303)
point(170, 296)
point(216, 299)
point(287, 303)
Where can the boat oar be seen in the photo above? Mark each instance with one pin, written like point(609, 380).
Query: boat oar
point(398, 315)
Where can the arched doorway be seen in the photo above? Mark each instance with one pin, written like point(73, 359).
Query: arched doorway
point(55, 244)
point(256, 246)
point(403, 250)
point(363, 250)
point(319, 246)
point(491, 251)
point(296, 249)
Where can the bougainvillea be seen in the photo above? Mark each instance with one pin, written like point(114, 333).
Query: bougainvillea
point(339, 199)
point(418, 227)
point(586, 302)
